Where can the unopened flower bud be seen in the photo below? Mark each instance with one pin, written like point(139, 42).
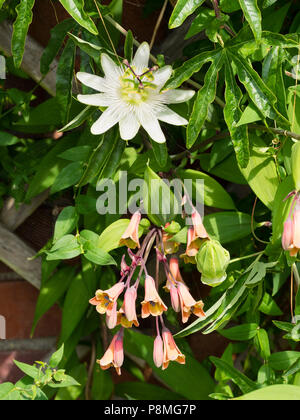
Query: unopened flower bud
point(158, 351)
point(212, 261)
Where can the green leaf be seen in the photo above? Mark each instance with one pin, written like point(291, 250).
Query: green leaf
point(20, 29)
point(100, 157)
point(160, 153)
point(68, 177)
point(58, 34)
point(182, 10)
point(76, 9)
point(145, 391)
point(7, 139)
point(222, 310)
point(77, 300)
point(92, 50)
point(228, 226)
point(283, 360)
point(65, 248)
point(262, 343)
point(245, 384)
point(229, 6)
point(222, 226)
point(182, 379)
point(205, 97)
point(49, 168)
point(261, 172)
point(250, 115)
point(110, 237)
point(6, 389)
point(211, 193)
point(269, 307)
point(103, 386)
point(128, 47)
point(29, 370)
point(77, 154)
point(241, 332)
point(274, 393)
point(263, 98)
point(51, 291)
point(66, 222)
point(73, 392)
point(64, 78)
point(190, 67)
point(281, 207)
point(232, 115)
point(272, 75)
point(85, 114)
point(56, 357)
point(158, 199)
point(92, 250)
point(201, 22)
point(252, 15)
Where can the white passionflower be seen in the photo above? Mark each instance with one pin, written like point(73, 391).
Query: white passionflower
point(133, 97)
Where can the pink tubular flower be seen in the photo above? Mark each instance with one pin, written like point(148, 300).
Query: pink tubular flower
point(196, 236)
point(291, 232)
point(127, 314)
point(152, 304)
point(188, 304)
point(200, 231)
point(171, 351)
point(112, 317)
point(288, 234)
point(158, 351)
point(130, 238)
point(105, 299)
point(129, 303)
point(114, 355)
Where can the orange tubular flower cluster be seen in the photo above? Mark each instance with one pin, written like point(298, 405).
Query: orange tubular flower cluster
point(124, 314)
point(196, 235)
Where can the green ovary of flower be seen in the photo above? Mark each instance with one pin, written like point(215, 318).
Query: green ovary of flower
point(134, 90)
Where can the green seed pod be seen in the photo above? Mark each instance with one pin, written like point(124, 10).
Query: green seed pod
point(296, 164)
point(212, 261)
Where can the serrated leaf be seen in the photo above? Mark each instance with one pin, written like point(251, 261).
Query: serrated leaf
point(76, 9)
point(64, 78)
point(190, 67)
point(20, 29)
point(258, 91)
point(58, 34)
point(182, 10)
point(205, 97)
point(232, 115)
point(252, 15)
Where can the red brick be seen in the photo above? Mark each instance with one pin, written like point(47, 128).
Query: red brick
point(17, 304)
